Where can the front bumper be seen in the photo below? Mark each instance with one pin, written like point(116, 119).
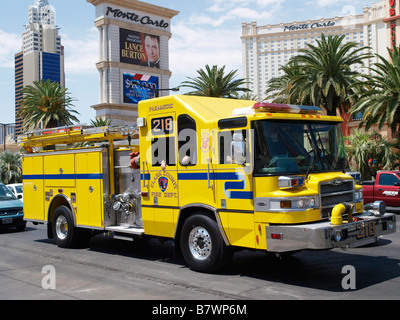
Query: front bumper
point(12, 221)
point(323, 235)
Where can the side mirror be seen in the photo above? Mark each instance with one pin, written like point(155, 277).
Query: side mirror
point(238, 149)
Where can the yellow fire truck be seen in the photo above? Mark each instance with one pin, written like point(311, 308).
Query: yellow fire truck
point(212, 174)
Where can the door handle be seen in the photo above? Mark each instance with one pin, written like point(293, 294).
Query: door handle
point(210, 186)
point(144, 175)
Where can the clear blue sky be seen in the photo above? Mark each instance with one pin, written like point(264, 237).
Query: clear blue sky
point(205, 32)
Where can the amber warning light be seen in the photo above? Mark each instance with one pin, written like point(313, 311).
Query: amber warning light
point(286, 108)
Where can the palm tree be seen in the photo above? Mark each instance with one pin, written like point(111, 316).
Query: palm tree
point(380, 102)
point(279, 88)
point(249, 96)
point(10, 167)
point(213, 82)
point(325, 76)
point(365, 148)
point(47, 104)
point(100, 122)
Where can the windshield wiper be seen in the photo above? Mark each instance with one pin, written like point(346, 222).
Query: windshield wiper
point(323, 156)
point(310, 157)
point(310, 165)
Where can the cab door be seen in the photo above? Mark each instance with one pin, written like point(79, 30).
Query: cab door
point(196, 163)
point(159, 175)
point(388, 189)
point(234, 181)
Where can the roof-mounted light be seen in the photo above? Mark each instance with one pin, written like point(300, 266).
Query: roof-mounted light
point(286, 108)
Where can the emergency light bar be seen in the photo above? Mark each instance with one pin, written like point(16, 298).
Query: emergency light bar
point(286, 108)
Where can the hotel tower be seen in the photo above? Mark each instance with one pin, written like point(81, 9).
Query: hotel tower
point(42, 55)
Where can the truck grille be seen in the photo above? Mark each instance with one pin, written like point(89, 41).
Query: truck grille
point(333, 193)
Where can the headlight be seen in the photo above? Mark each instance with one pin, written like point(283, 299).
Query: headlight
point(358, 196)
point(294, 204)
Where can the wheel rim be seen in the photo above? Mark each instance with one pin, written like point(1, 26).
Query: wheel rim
point(62, 227)
point(200, 243)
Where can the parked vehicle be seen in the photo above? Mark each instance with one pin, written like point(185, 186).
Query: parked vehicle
point(11, 209)
point(386, 188)
point(17, 189)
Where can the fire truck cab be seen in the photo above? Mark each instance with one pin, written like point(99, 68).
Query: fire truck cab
point(212, 174)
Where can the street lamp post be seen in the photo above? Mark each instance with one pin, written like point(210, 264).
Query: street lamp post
point(156, 91)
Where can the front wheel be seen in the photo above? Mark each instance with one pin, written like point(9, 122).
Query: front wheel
point(202, 245)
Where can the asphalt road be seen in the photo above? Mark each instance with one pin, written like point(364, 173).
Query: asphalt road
point(119, 270)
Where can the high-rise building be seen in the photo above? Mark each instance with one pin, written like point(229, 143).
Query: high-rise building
point(266, 48)
point(42, 55)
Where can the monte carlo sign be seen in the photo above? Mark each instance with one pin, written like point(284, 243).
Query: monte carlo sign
point(134, 17)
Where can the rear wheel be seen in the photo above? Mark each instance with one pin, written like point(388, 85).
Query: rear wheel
point(202, 245)
point(64, 231)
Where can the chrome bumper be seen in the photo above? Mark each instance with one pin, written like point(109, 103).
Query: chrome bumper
point(323, 235)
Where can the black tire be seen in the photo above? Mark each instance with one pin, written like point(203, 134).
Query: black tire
point(202, 245)
point(21, 227)
point(64, 231)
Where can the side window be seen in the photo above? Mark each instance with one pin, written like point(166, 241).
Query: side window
point(163, 143)
point(187, 140)
point(387, 179)
point(163, 149)
point(232, 147)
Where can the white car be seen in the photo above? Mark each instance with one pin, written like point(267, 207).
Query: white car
point(16, 188)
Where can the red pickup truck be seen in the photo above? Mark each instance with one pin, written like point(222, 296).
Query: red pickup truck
point(385, 188)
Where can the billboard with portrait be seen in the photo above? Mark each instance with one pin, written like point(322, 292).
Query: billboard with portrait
point(139, 48)
point(138, 87)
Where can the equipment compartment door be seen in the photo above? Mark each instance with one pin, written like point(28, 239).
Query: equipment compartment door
point(89, 189)
point(33, 188)
point(59, 170)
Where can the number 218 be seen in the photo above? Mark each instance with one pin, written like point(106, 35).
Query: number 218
point(365, 230)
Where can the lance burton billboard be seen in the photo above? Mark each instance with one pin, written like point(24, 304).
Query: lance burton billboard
point(138, 87)
point(139, 48)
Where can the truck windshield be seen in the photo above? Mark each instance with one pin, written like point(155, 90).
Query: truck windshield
point(293, 147)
